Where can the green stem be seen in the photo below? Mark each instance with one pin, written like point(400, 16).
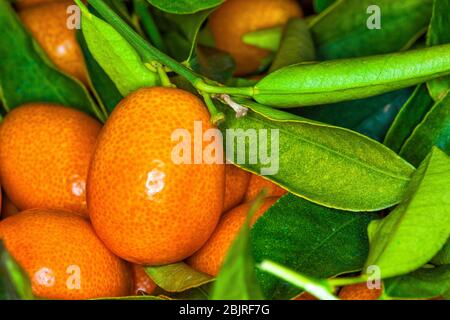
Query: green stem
point(340, 282)
point(318, 289)
point(165, 81)
point(150, 53)
point(143, 11)
point(201, 85)
point(216, 115)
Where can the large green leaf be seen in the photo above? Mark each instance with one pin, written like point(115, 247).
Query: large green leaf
point(331, 166)
point(310, 239)
point(348, 79)
point(115, 55)
point(14, 282)
point(177, 277)
point(411, 114)
point(26, 75)
point(296, 45)
point(185, 6)
point(434, 130)
point(425, 283)
point(438, 33)
point(418, 228)
point(371, 116)
point(213, 63)
point(342, 32)
point(236, 280)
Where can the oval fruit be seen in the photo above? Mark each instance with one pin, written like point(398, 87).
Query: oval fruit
point(48, 25)
point(44, 156)
point(63, 257)
point(236, 183)
point(233, 19)
point(142, 284)
point(145, 207)
point(210, 257)
point(21, 4)
point(257, 184)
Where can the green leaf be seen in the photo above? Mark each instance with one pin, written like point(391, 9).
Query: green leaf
point(434, 130)
point(268, 39)
point(411, 114)
point(342, 32)
point(181, 31)
point(438, 34)
point(425, 283)
point(296, 45)
point(321, 5)
point(185, 6)
point(177, 277)
point(310, 239)
point(371, 116)
point(26, 74)
point(348, 79)
point(443, 256)
point(213, 63)
point(14, 282)
point(331, 166)
point(236, 279)
point(115, 55)
point(105, 90)
point(197, 293)
point(417, 229)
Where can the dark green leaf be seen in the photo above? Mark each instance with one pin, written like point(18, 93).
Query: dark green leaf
point(177, 277)
point(213, 63)
point(14, 282)
point(371, 116)
point(438, 33)
point(26, 74)
point(236, 279)
point(434, 130)
point(411, 114)
point(180, 32)
point(425, 283)
point(185, 6)
point(310, 239)
point(296, 45)
point(321, 5)
point(443, 256)
point(342, 31)
point(331, 166)
point(418, 228)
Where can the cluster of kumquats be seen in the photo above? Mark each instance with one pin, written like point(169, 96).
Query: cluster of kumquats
point(72, 200)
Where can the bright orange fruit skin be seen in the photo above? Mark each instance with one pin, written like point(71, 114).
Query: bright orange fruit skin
point(147, 209)
point(44, 156)
point(142, 282)
point(210, 257)
point(257, 183)
point(236, 183)
point(235, 18)
point(359, 292)
point(63, 257)
point(48, 24)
